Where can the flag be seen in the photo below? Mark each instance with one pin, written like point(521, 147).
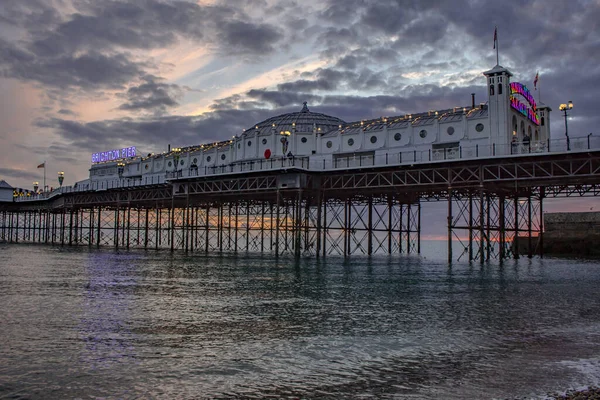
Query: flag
point(42, 165)
point(495, 36)
point(535, 81)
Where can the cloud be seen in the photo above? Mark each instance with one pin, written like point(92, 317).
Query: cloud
point(278, 98)
point(243, 37)
point(91, 70)
point(18, 174)
point(64, 111)
point(97, 45)
point(152, 96)
point(153, 132)
point(142, 24)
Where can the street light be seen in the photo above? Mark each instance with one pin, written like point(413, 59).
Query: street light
point(565, 108)
point(176, 157)
point(61, 178)
point(36, 186)
point(120, 169)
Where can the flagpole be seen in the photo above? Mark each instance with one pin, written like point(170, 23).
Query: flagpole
point(44, 175)
point(497, 58)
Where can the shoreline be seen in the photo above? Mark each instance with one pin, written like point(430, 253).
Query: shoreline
point(589, 393)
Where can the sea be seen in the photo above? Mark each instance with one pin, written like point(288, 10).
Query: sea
point(87, 323)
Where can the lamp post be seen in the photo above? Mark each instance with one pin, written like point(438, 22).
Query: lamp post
point(36, 186)
point(176, 157)
point(565, 108)
point(120, 171)
point(61, 178)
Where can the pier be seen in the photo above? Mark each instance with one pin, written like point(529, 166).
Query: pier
point(492, 203)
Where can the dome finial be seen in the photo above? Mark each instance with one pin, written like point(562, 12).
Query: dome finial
point(304, 108)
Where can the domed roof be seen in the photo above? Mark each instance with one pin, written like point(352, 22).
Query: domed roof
point(303, 121)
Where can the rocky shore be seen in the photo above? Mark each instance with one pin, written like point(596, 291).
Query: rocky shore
point(591, 393)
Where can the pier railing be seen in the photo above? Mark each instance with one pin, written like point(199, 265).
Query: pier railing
point(324, 163)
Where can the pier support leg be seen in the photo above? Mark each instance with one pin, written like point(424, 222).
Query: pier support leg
point(517, 222)
point(450, 225)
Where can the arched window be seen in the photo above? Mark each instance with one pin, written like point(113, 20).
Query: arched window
point(515, 126)
point(499, 88)
point(491, 90)
point(543, 121)
point(522, 130)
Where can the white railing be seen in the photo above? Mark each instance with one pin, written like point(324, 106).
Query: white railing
point(517, 149)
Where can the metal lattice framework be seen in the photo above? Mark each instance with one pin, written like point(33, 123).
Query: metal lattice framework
point(495, 209)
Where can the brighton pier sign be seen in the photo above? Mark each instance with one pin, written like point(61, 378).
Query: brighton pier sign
point(528, 109)
point(112, 155)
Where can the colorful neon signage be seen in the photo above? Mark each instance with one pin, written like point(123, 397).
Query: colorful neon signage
point(529, 110)
point(112, 155)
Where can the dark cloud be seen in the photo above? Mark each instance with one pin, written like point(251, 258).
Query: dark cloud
point(90, 48)
point(304, 85)
point(8, 174)
point(91, 70)
point(153, 133)
point(34, 15)
point(388, 16)
point(141, 24)
point(278, 99)
point(343, 11)
point(152, 95)
point(64, 111)
point(336, 41)
point(249, 38)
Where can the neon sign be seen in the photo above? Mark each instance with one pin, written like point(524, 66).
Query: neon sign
point(112, 155)
point(529, 110)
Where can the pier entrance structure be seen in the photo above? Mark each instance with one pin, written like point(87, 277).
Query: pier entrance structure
point(307, 183)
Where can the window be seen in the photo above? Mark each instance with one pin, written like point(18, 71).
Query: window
point(373, 139)
point(182, 162)
point(499, 88)
point(146, 166)
point(450, 130)
point(329, 144)
point(423, 133)
point(397, 137)
point(195, 161)
point(479, 127)
point(239, 146)
point(249, 142)
point(264, 141)
point(304, 140)
point(350, 142)
point(223, 156)
point(543, 121)
point(208, 159)
point(491, 90)
point(170, 163)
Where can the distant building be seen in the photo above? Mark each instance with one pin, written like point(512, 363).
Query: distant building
point(6, 191)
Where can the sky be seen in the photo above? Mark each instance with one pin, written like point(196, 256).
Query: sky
point(82, 76)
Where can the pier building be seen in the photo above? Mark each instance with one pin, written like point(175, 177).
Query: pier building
point(509, 122)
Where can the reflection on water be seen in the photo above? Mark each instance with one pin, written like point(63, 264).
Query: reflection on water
point(87, 323)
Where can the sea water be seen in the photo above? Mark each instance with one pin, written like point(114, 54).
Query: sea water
point(98, 323)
